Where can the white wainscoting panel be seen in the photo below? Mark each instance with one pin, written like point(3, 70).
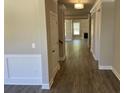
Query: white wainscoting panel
point(23, 69)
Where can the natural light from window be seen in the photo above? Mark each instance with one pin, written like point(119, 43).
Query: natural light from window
point(76, 27)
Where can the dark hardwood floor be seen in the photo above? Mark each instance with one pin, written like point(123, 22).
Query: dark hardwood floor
point(78, 74)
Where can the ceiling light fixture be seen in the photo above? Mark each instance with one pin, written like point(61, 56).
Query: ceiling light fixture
point(78, 6)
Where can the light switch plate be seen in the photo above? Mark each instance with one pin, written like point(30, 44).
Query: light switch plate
point(33, 45)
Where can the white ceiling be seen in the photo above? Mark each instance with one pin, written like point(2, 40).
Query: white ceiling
point(69, 4)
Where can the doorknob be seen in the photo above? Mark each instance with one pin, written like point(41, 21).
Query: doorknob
point(60, 41)
point(53, 50)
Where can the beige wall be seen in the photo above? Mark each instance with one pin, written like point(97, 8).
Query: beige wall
point(107, 35)
point(44, 45)
point(116, 64)
point(25, 23)
point(103, 34)
point(76, 17)
point(22, 27)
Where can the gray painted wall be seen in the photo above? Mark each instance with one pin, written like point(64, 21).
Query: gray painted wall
point(22, 27)
point(107, 35)
point(25, 23)
point(116, 64)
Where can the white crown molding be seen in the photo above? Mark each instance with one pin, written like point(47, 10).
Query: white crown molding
point(98, 2)
point(108, 0)
point(95, 5)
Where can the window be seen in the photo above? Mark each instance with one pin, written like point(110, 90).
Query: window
point(76, 28)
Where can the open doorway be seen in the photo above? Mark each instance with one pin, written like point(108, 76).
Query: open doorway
point(77, 29)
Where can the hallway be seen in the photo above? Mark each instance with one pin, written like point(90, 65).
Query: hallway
point(78, 74)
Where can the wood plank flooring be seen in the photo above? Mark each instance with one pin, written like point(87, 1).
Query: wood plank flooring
point(78, 74)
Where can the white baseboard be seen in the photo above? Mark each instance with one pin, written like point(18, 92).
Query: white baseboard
point(116, 73)
point(51, 82)
point(93, 54)
point(110, 68)
point(105, 67)
point(62, 58)
point(48, 86)
point(54, 74)
point(22, 81)
point(23, 69)
point(45, 86)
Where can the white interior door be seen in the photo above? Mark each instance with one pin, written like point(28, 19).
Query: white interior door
point(54, 45)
